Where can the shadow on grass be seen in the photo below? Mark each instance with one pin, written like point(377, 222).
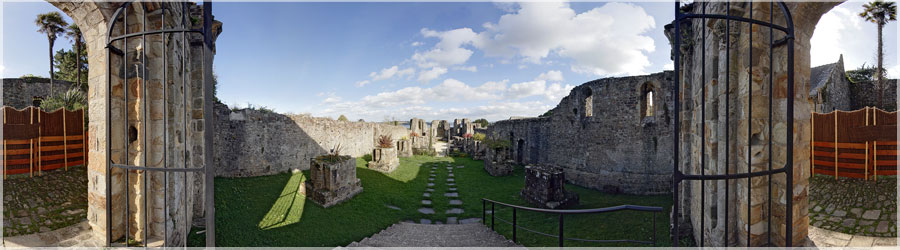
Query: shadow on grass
point(267, 211)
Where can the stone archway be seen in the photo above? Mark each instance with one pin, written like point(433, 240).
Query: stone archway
point(94, 19)
point(738, 69)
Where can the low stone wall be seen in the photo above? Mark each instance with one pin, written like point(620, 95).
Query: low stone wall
point(254, 143)
point(20, 92)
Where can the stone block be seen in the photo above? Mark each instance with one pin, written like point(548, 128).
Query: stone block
point(331, 183)
point(545, 187)
point(384, 160)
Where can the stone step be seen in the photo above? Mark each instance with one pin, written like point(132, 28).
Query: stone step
point(433, 235)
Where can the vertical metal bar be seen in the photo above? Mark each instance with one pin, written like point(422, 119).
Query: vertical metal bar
point(515, 225)
point(771, 73)
point(677, 97)
point(209, 126)
point(790, 132)
point(703, 127)
point(749, 124)
point(492, 216)
point(561, 236)
point(185, 11)
point(654, 229)
point(483, 211)
point(125, 111)
point(727, 113)
point(165, 112)
point(108, 152)
point(144, 133)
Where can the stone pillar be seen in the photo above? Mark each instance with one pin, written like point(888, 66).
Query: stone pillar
point(747, 80)
point(144, 76)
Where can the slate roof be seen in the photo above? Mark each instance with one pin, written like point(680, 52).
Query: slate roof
point(819, 75)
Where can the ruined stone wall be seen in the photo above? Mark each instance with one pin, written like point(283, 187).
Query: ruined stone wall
point(601, 136)
point(865, 94)
point(19, 92)
point(254, 143)
point(838, 90)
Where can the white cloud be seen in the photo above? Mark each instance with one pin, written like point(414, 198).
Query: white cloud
point(669, 66)
point(330, 98)
point(499, 111)
point(526, 89)
point(470, 68)
point(603, 41)
point(555, 92)
point(835, 35)
point(391, 72)
point(551, 76)
point(416, 44)
point(362, 83)
point(426, 76)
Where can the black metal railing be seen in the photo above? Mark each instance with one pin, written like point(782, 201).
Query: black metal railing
point(560, 235)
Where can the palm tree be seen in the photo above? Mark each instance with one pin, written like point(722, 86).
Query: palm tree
point(880, 13)
point(74, 33)
point(53, 25)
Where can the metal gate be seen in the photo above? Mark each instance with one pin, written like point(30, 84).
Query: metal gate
point(180, 26)
point(678, 176)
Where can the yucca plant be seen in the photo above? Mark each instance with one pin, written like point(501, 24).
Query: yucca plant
point(385, 141)
point(72, 99)
point(333, 156)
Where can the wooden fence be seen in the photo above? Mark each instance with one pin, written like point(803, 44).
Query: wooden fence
point(35, 140)
point(857, 144)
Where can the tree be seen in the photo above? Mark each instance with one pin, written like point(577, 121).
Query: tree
point(53, 25)
point(880, 13)
point(74, 33)
point(484, 122)
point(863, 74)
point(73, 99)
point(67, 65)
point(343, 118)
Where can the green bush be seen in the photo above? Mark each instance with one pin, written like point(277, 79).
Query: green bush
point(72, 99)
point(479, 136)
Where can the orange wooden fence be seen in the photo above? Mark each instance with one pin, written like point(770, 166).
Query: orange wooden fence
point(35, 140)
point(857, 144)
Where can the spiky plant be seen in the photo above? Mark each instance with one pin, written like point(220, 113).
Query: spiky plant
point(385, 141)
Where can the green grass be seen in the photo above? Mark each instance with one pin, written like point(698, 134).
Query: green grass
point(267, 211)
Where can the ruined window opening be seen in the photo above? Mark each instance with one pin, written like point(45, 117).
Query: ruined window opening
point(588, 102)
point(647, 105)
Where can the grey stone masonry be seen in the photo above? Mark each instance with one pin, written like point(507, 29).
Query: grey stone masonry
point(430, 235)
point(21, 92)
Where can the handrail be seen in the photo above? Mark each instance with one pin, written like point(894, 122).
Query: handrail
point(561, 213)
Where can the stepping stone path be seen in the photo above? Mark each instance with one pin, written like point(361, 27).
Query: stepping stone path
point(451, 192)
point(853, 206)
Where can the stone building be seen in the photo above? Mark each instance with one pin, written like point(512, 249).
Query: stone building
point(830, 89)
point(611, 134)
point(23, 92)
point(419, 127)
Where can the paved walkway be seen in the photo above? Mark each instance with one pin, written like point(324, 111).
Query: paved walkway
point(854, 206)
point(824, 238)
point(405, 234)
point(78, 235)
point(41, 204)
point(445, 183)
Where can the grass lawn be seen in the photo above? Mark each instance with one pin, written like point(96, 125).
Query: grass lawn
point(267, 211)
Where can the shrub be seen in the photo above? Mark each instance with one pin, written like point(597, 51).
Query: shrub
point(497, 144)
point(479, 136)
point(343, 118)
point(73, 99)
point(425, 152)
point(385, 141)
point(333, 156)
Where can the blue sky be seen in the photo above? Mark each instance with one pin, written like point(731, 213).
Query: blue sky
point(434, 60)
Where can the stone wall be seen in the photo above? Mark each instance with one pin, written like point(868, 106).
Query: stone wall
point(601, 135)
point(20, 92)
point(865, 94)
point(254, 143)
